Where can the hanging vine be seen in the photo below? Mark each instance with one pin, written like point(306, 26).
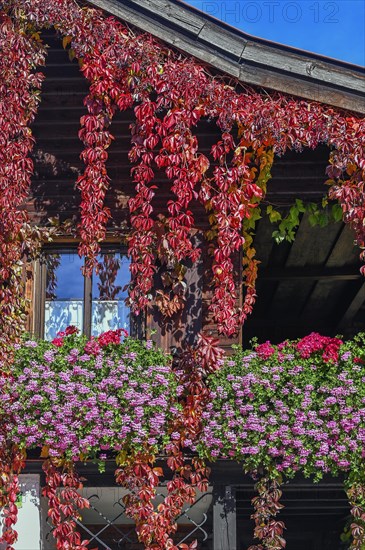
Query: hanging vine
point(138, 474)
point(355, 491)
point(169, 95)
point(64, 503)
point(267, 506)
point(21, 52)
point(12, 461)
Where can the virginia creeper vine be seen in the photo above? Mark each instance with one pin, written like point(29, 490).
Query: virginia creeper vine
point(170, 95)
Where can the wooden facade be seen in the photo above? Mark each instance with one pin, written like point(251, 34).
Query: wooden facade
point(320, 269)
point(312, 284)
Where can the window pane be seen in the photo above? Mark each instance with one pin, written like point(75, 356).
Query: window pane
point(64, 293)
point(109, 311)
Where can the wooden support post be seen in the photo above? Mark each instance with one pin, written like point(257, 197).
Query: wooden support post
point(352, 309)
point(182, 329)
point(224, 518)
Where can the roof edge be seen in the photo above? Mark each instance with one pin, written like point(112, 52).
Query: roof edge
point(248, 59)
point(265, 41)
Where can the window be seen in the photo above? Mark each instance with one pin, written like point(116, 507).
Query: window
point(92, 304)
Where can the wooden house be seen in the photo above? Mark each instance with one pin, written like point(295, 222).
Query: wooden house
point(310, 284)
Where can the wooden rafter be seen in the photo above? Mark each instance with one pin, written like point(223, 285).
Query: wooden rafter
point(352, 309)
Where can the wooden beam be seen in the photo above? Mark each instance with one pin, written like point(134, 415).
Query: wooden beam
point(342, 255)
point(356, 303)
point(246, 58)
point(308, 274)
point(224, 518)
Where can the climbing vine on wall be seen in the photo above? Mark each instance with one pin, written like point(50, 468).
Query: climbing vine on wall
point(19, 98)
point(169, 95)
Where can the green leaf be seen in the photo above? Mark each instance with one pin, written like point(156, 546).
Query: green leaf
point(290, 236)
point(278, 237)
point(337, 213)
point(323, 219)
point(313, 219)
point(274, 215)
point(293, 215)
point(300, 205)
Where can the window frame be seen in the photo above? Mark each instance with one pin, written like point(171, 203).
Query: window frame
point(136, 325)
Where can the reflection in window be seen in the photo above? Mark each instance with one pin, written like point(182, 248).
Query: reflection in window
point(64, 293)
point(109, 311)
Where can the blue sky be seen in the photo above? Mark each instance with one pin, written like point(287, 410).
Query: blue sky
point(335, 29)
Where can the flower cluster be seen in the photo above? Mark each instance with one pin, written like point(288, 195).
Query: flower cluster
point(314, 342)
point(295, 406)
point(94, 345)
point(111, 337)
point(78, 401)
point(279, 409)
point(58, 341)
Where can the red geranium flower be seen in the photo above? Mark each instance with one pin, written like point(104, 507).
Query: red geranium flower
point(57, 341)
point(71, 330)
point(111, 336)
point(92, 347)
point(315, 342)
point(265, 350)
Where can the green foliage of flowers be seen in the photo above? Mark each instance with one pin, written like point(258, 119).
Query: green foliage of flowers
point(297, 406)
point(78, 398)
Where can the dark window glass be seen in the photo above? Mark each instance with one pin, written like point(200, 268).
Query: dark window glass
point(109, 311)
point(65, 294)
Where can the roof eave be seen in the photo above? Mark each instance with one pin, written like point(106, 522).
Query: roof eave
point(252, 61)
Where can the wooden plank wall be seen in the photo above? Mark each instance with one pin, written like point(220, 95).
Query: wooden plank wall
point(283, 307)
point(57, 166)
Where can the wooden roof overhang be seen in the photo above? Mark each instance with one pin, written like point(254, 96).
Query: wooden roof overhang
point(248, 59)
